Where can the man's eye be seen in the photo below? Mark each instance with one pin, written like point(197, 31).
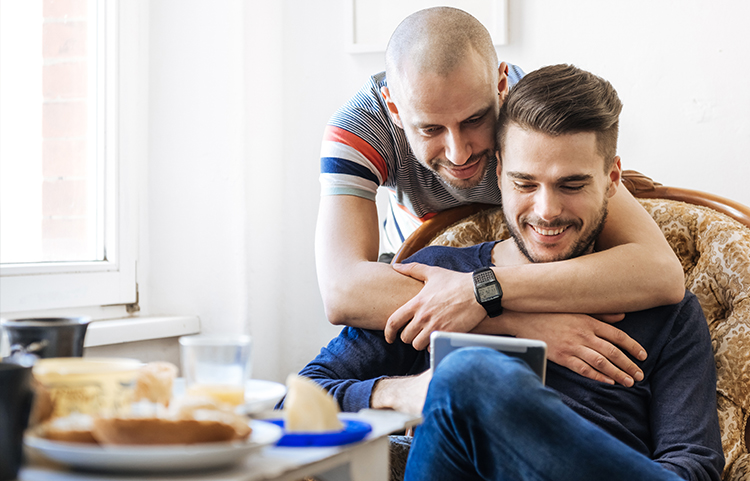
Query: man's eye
point(573, 188)
point(430, 130)
point(520, 186)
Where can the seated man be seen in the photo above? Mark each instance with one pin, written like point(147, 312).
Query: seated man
point(486, 415)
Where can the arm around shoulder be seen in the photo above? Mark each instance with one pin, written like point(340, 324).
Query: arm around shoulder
point(654, 266)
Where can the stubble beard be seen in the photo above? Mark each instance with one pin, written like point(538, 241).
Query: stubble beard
point(583, 246)
point(435, 166)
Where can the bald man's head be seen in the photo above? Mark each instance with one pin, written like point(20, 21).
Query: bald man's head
point(436, 41)
point(444, 90)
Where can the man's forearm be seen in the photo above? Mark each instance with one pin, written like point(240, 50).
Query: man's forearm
point(502, 325)
point(368, 295)
point(620, 279)
point(357, 290)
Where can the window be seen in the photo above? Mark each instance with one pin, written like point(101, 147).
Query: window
point(67, 196)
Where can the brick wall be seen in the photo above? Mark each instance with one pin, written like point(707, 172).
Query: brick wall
point(64, 128)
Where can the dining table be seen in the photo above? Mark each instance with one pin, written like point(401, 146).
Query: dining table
point(365, 460)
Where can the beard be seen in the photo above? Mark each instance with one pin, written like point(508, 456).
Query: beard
point(436, 165)
point(584, 244)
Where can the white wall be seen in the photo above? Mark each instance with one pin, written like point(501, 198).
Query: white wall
point(193, 212)
point(240, 93)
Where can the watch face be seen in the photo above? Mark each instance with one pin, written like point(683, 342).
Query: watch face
point(488, 292)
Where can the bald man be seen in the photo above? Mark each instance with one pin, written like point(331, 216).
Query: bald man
point(424, 129)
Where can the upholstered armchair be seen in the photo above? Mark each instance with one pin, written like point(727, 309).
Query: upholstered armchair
point(711, 237)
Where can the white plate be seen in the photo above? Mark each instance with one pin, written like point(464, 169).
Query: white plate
point(156, 458)
point(260, 395)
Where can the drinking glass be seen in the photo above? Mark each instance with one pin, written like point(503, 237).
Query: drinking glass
point(216, 366)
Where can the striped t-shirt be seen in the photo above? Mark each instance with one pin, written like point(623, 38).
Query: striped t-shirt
point(363, 149)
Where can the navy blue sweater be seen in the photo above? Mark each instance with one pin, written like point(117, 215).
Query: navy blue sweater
point(670, 416)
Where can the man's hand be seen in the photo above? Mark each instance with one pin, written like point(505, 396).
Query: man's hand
point(609, 318)
point(585, 345)
point(405, 394)
point(445, 303)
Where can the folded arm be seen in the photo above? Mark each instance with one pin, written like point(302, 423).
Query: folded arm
point(636, 270)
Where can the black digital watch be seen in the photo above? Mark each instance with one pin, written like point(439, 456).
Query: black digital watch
point(487, 290)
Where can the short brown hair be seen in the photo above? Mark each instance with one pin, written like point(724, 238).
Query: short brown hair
point(563, 99)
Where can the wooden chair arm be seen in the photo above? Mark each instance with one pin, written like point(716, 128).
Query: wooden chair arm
point(434, 226)
point(643, 187)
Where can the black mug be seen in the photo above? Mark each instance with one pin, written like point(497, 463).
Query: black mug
point(47, 336)
point(16, 395)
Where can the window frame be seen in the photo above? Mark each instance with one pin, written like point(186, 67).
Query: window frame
point(123, 108)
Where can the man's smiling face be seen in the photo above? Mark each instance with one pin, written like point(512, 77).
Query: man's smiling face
point(555, 192)
point(450, 120)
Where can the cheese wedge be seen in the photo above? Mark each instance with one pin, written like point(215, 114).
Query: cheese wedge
point(308, 408)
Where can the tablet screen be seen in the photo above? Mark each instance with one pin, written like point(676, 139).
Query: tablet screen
point(531, 351)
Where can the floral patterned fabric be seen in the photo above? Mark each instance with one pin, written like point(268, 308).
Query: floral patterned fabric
point(715, 254)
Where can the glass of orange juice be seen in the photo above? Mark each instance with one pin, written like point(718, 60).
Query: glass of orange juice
point(216, 366)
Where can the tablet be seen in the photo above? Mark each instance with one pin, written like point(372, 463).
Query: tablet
point(531, 351)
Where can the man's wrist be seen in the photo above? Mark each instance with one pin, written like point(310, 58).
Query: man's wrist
point(487, 291)
point(382, 396)
point(399, 393)
point(505, 325)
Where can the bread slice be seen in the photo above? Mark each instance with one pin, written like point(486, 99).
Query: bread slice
point(161, 431)
point(74, 428)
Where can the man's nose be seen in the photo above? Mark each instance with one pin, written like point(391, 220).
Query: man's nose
point(457, 148)
point(547, 204)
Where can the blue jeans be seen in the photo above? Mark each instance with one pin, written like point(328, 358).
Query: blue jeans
point(488, 416)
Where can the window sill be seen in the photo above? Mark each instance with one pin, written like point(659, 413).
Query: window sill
point(119, 331)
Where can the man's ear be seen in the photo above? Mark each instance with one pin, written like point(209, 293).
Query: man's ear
point(392, 109)
point(499, 170)
point(615, 175)
point(502, 83)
